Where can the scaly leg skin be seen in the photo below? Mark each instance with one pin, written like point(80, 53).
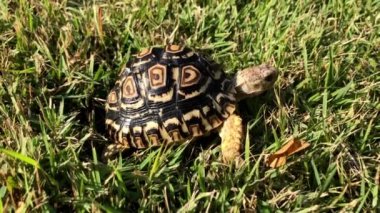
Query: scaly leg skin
point(232, 136)
point(111, 150)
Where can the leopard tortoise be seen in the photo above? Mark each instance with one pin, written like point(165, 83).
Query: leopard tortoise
point(173, 94)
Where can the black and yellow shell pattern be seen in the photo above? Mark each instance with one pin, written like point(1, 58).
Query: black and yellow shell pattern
point(165, 95)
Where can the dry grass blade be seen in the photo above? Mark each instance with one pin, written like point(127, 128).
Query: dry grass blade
point(278, 158)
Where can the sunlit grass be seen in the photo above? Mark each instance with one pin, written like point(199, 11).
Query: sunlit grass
point(59, 60)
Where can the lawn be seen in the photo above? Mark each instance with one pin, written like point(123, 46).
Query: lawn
point(59, 59)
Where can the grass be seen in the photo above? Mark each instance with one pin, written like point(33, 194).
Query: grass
point(58, 60)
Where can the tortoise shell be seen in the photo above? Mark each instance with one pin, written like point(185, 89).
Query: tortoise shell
point(166, 95)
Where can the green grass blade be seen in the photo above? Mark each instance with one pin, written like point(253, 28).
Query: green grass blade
point(21, 157)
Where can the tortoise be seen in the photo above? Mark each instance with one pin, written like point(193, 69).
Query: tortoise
point(172, 94)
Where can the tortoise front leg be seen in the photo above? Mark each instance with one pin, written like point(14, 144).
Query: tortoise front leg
point(232, 136)
point(111, 150)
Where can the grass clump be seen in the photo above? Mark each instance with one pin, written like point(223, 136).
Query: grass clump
point(58, 60)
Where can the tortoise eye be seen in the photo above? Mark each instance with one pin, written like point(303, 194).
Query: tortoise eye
point(157, 76)
point(129, 88)
point(190, 76)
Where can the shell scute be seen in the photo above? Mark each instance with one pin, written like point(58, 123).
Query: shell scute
point(167, 94)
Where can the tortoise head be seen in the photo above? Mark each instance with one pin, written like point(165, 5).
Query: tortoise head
point(253, 81)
